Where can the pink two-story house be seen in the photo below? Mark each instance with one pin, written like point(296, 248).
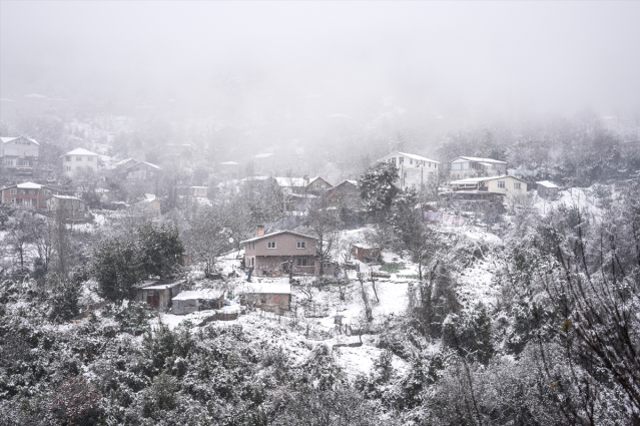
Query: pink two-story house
point(273, 254)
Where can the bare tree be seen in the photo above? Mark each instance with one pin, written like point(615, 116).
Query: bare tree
point(323, 222)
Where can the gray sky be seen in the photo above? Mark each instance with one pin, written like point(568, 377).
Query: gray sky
point(440, 58)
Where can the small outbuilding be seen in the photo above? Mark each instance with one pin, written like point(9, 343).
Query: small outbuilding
point(158, 294)
point(547, 189)
point(197, 300)
point(365, 253)
point(267, 296)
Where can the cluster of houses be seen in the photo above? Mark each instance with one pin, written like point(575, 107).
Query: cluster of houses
point(472, 177)
point(164, 295)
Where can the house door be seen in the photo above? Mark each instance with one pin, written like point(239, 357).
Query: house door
point(153, 300)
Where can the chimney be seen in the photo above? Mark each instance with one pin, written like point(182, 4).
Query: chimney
point(260, 230)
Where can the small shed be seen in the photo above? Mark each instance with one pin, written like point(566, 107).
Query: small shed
point(267, 296)
point(365, 253)
point(547, 189)
point(158, 294)
point(197, 300)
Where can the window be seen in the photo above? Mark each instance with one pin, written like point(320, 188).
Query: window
point(501, 184)
point(301, 244)
point(401, 160)
point(68, 168)
point(302, 262)
point(78, 158)
point(13, 192)
point(410, 160)
point(393, 160)
point(516, 185)
point(68, 158)
point(271, 244)
point(435, 166)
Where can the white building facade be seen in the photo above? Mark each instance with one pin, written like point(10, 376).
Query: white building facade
point(470, 167)
point(413, 170)
point(19, 151)
point(79, 159)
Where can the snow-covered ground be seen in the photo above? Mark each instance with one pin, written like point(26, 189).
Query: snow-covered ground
point(298, 335)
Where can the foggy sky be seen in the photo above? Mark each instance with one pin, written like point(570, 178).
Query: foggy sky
point(441, 58)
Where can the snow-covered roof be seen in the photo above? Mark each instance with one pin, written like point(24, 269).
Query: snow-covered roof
point(80, 151)
point(148, 164)
point(469, 181)
point(67, 197)
point(9, 139)
point(273, 234)
point(418, 157)
point(490, 161)
point(250, 178)
point(262, 288)
point(346, 181)
point(313, 179)
point(150, 197)
point(157, 285)
point(405, 154)
point(29, 185)
point(263, 155)
point(199, 187)
point(35, 95)
point(207, 294)
point(125, 161)
point(291, 181)
point(547, 184)
point(229, 163)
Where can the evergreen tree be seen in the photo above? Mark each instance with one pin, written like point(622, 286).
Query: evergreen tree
point(161, 251)
point(116, 269)
point(377, 190)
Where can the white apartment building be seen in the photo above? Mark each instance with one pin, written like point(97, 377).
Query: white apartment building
point(413, 170)
point(79, 159)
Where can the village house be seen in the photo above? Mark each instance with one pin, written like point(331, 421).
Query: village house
point(366, 253)
point(143, 171)
point(267, 296)
point(317, 185)
point(158, 294)
point(124, 164)
point(303, 185)
point(28, 195)
point(505, 185)
point(71, 208)
point(77, 160)
point(546, 189)
point(276, 253)
point(198, 191)
point(469, 167)
point(346, 191)
point(197, 300)
point(413, 170)
point(19, 154)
